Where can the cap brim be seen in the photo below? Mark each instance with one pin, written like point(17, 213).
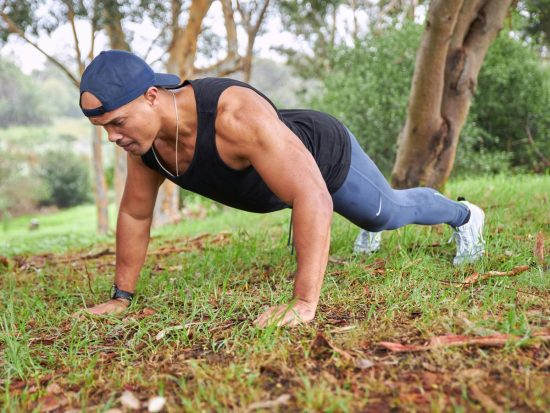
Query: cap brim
point(167, 81)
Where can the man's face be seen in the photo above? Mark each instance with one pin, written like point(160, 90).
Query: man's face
point(133, 126)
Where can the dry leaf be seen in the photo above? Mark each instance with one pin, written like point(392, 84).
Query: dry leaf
point(487, 403)
point(4, 261)
point(364, 364)
point(129, 400)
point(343, 329)
point(336, 260)
point(321, 343)
point(538, 251)
point(156, 404)
point(472, 278)
point(148, 311)
point(51, 402)
point(475, 277)
point(269, 404)
point(161, 334)
point(54, 388)
point(472, 375)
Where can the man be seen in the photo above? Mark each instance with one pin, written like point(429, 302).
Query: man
point(227, 141)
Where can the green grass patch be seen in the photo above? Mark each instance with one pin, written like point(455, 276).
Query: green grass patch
point(205, 294)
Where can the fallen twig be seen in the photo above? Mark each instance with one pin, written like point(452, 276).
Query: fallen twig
point(89, 277)
point(475, 277)
point(494, 340)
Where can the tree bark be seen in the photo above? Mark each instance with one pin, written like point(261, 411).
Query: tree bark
point(113, 26)
point(182, 52)
point(457, 36)
point(183, 48)
point(100, 185)
point(252, 28)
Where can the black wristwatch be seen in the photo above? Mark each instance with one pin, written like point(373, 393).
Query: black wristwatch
point(118, 293)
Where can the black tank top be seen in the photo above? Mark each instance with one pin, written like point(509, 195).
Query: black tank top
point(324, 136)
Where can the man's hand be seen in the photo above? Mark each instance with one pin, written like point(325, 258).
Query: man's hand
point(115, 306)
point(291, 314)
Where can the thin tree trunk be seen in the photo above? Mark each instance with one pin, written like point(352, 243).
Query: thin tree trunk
point(252, 29)
point(455, 41)
point(183, 49)
point(117, 40)
point(100, 185)
point(182, 53)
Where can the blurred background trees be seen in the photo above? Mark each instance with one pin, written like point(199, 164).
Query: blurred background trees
point(352, 58)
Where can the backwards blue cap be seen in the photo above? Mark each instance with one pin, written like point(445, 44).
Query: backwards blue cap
point(117, 77)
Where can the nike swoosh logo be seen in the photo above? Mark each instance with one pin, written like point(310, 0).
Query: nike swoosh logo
point(380, 207)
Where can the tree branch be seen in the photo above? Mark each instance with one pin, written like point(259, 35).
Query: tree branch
point(154, 42)
point(429, 73)
point(14, 29)
point(70, 18)
point(261, 17)
point(230, 28)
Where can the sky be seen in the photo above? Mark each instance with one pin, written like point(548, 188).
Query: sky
point(60, 43)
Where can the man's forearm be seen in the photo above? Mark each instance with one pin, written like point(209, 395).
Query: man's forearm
point(132, 239)
point(312, 217)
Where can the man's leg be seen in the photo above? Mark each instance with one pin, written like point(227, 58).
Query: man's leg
point(367, 200)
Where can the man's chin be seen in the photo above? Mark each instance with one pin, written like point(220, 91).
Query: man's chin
point(136, 150)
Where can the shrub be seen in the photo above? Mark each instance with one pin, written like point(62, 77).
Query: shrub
point(370, 84)
point(369, 90)
point(67, 178)
point(20, 192)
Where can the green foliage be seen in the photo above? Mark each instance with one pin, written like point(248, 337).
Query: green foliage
point(20, 190)
point(309, 21)
point(538, 20)
point(67, 177)
point(369, 88)
point(52, 83)
point(20, 103)
point(474, 158)
point(513, 102)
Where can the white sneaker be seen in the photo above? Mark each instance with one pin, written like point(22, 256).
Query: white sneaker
point(470, 245)
point(367, 242)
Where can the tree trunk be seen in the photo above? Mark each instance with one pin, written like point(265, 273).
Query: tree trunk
point(455, 41)
point(100, 185)
point(183, 48)
point(117, 39)
point(182, 53)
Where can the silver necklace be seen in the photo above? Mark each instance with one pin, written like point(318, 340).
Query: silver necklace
point(177, 131)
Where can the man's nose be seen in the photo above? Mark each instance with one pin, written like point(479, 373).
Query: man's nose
point(113, 136)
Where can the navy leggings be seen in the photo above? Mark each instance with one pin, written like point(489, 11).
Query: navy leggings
point(366, 199)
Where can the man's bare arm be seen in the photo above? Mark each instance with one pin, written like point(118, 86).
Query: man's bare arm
point(133, 228)
point(291, 173)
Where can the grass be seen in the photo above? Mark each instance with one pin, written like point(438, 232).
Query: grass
point(215, 286)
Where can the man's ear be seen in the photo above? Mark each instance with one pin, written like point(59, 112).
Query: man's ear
point(152, 95)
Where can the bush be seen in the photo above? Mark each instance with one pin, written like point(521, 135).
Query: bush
point(370, 84)
point(20, 103)
point(67, 178)
point(474, 158)
point(20, 192)
point(513, 97)
point(369, 90)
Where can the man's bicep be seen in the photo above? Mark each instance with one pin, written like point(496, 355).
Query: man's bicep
point(141, 188)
